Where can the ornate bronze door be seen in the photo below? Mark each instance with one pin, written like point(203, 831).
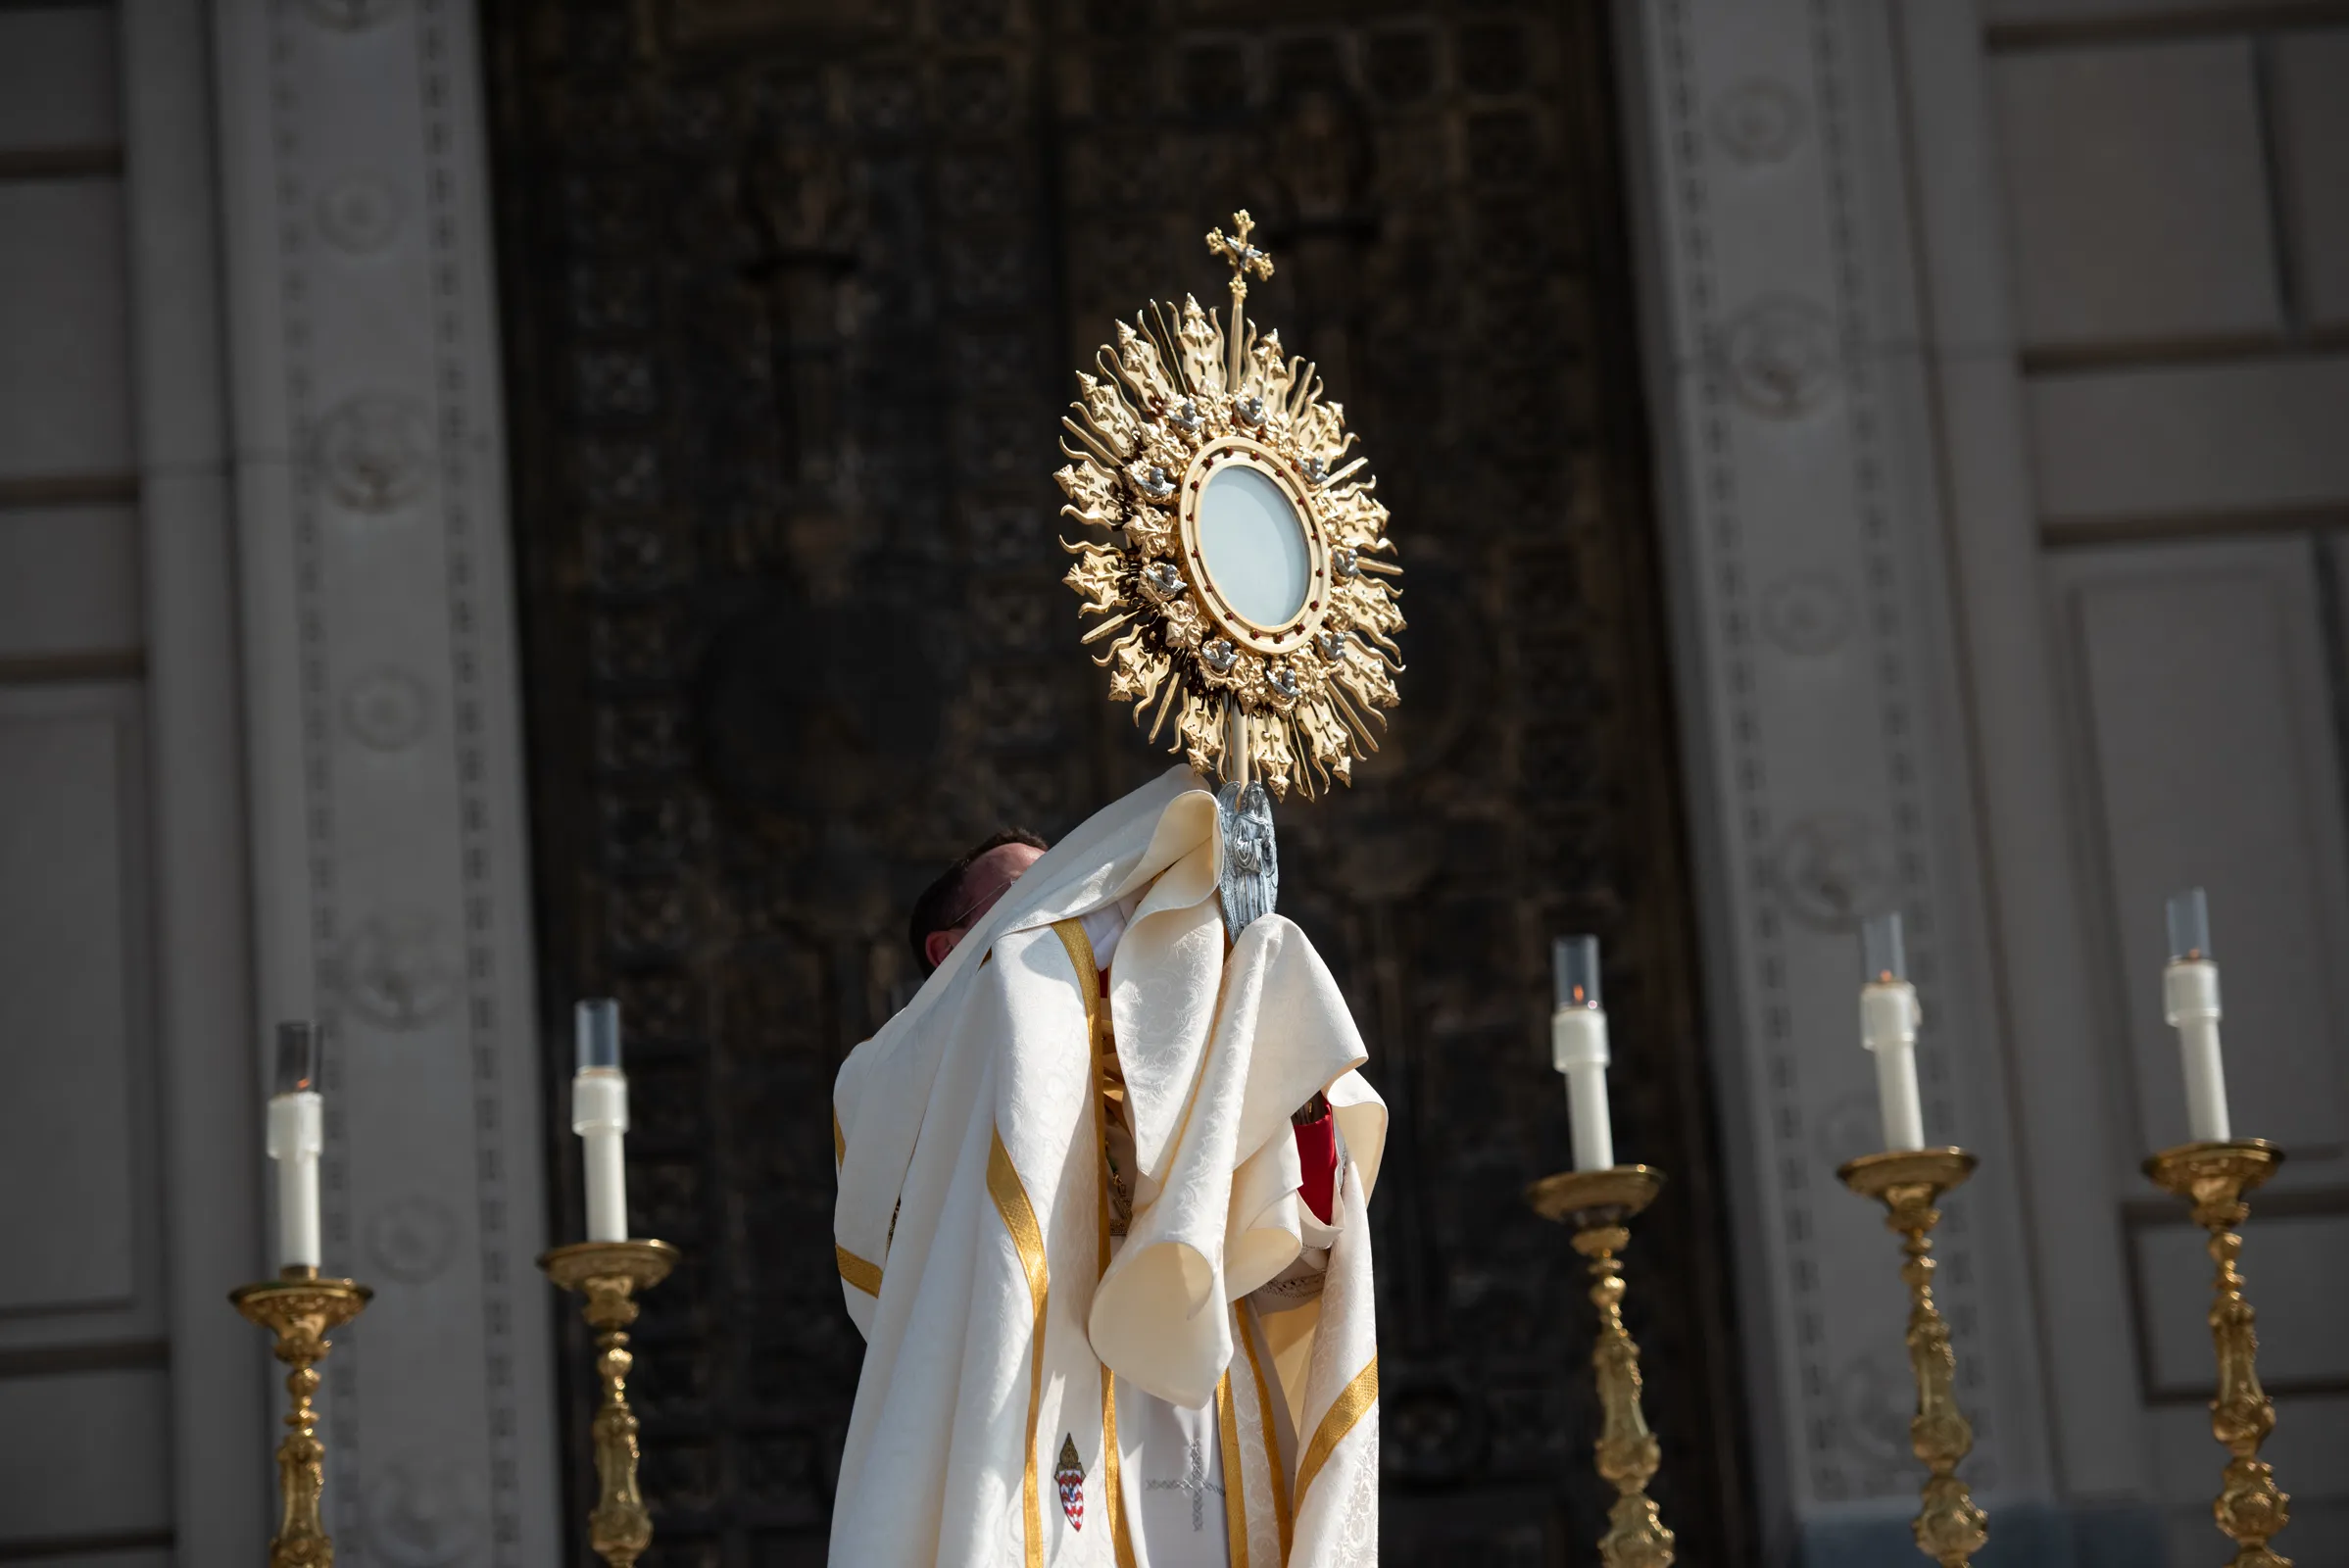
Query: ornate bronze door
point(795, 289)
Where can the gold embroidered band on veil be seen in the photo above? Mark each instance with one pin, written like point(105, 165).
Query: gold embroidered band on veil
point(1348, 1408)
point(1097, 1033)
point(1020, 1218)
point(1234, 1470)
point(1281, 1511)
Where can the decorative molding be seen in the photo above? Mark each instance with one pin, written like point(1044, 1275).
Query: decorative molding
point(422, 1511)
point(1779, 356)
point(375, 451)
point(1809, 612)
point(1760, 122)
point(1828, 870)
point(1848, 1126)
point(1802, 525)
point(464, 338)
point(288, 360)
point(351, 16)
point(1892, 561)
point(1875, 1397)
point(361, 214)
point(411, 1238)
point(1729, 659)
point(398, 969)
point(387, 709)
point(391, 884)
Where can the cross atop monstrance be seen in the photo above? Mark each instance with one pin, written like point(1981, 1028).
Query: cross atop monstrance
point(1244, 259)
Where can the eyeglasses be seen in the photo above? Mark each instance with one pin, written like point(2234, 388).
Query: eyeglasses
point(979, 906)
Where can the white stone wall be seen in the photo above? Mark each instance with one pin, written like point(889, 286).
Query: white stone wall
point(1995, 363)
point(131, 1398)
point(2179, 266)
point(382, 725)
point(1790, 404)
point(259, 759)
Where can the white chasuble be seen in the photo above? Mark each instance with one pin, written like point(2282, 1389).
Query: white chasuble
point(1021, 1372)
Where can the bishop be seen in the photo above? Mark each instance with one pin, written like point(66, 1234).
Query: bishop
point(1102, 1221)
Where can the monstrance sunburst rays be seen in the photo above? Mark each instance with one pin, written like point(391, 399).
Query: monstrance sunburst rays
point(1182, 400)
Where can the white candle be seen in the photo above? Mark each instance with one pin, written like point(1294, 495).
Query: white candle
point(1888, 1020)
point(2190, 999)
point(297, 1137)
point(599, 1116)
point(1578, 1048)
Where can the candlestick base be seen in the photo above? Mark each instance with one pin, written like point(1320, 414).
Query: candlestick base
point(1607, 1196)
point(1949, 1528)
point(2213, 1177)
point(609, 1274)
point(299, 1307)
point(1596, 1203)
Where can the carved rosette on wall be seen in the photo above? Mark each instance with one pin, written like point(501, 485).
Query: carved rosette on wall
point(1188, 448)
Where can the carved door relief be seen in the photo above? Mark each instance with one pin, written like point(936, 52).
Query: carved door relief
point(795, 289)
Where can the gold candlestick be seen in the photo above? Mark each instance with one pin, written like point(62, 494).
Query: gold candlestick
point(1949, 1528)
point(299, 1307)
point(1596, 1203)
point(2214, 1177)
point(609, 1274)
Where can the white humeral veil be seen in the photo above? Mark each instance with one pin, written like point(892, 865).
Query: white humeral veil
point(971, 1227)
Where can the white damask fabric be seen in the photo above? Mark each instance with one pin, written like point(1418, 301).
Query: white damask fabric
point(971, 1226)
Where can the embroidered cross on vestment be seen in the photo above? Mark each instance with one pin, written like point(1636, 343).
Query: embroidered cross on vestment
point(1195, 1481)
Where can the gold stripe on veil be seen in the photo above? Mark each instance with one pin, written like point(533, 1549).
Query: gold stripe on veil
point(1020, 1218)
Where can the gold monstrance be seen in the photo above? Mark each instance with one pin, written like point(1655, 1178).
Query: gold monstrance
point(1246, 578)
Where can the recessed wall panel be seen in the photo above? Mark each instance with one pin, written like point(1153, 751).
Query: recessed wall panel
point(2000, 13)
point(65, 398)
point(2298, 1268)
point(2312, 86)
point(67, 1012)
point(2138, 184)
point(2306, 1448)
point(2206, 442)
point(85, 1455)
point(2202, 697)
point(56, 78)
point(68, 581)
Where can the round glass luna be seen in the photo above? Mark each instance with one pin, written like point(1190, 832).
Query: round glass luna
point(1253, 546)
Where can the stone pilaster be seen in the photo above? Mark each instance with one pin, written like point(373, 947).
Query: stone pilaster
point(389, 870)
point(1829, 772)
